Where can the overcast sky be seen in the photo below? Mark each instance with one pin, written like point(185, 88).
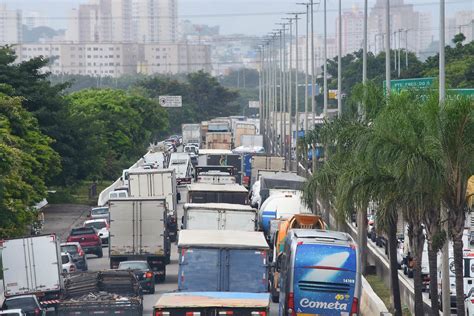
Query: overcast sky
point(252, 17)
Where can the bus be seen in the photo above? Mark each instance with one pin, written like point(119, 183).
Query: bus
point(318, 274)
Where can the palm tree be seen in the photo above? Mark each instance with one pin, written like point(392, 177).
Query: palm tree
point(456, 137)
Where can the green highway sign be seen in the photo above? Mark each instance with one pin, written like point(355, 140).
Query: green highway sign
point(409, 84)
point(465, 92)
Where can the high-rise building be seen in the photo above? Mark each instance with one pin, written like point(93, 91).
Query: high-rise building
point(10, 25)
point(352, 30)
point(409, 29)
point(145, 19)
point(84, 24)
point(168, 20)
point(462, 22)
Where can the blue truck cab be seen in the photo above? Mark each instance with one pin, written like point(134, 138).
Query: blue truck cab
point(222, 261)
point(319, 274)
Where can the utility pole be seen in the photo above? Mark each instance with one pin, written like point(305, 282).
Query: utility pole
point(325, 78)
point(306, 70)
point(364, 46)
point(406, 48)
point(290, 103)
point(387, 48)
point(445, 283)
point(260, 95)
point(339, 64)
point(399, 49)
point(297, 112)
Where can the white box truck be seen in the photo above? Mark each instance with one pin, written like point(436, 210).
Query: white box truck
point(266, 163)
point(191, 133)
point(157, 183)
point(138, 232)
point(32, 266)
point(219, 216)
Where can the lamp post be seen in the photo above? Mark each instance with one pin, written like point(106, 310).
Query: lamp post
point(339, 64)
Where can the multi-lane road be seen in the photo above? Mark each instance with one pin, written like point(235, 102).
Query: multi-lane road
point(60, 219)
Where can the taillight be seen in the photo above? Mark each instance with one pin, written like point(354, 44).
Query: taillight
point(193, 313)
point(261, 313)
point(81, 253)
point(472, 301)
point(37, 311)
point(290, 303)
point(161, 313)
point(355, 307)
point(148, 275)
point(223, 313)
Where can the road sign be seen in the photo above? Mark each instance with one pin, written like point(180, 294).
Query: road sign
point(254, 104)
point(170, 101)
point(464, 92)
point(410, 84)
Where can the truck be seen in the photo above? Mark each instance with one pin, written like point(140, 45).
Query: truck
point(266, 163)
point(218, 125)
point(230, 170)
point(204, 129)
point(108, 292)
point(32, 266)
point(215, 177)
point(251, 141)
point(181, 164)
point(212, 303)
point(191, 133)
point(219, 216)
point(157, 183)
point(138, 232)
point(229, 159)
point(219, 140)
point(217, 193)
point(222, 260)
point(242, 129)
point(279, 183)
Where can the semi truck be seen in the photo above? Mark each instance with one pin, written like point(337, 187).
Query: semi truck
point(242, 129)
point(138, 232)
point(222, 260)
point(266, 163)
point(191, 133)
point(157, 183)
point(219, 216)
point(108, 292)
point(31, 266)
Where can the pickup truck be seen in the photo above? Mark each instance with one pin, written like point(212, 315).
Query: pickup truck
point(106, 292)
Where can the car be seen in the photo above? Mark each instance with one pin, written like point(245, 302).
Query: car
point(193, 151)
point(88, 238)
point(27, 303)
point(193, 144)
point(78, 255)
point(68, 265)
point(99, 212)
point(469, 303)
point(171, 145)
point(12, 312)
point(143, 273)
point(102, 227)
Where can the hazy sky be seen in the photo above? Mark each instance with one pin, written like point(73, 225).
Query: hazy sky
point(252, 17)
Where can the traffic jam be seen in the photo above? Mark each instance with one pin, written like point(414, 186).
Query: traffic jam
point(233, 217)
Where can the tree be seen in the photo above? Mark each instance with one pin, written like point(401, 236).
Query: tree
point(26, 162)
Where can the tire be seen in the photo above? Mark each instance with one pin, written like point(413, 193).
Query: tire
point(162, 278)
point(275, 295)
point(100, 254)
point(410, 274)
point(152, 290)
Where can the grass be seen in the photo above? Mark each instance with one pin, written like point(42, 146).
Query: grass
point(384, 293)
point(76, 194)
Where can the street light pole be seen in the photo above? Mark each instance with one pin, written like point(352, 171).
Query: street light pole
point(297, 112)
point(339, 64)
point(364, 46)
point(387, 47)
point(325, 78)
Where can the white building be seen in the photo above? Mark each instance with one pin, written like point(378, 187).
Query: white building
point(33, 19)
point(84, 24)
point(461, 22)
point(168, 20)
point(10, 25)
point(117, 59)
point(352, 31)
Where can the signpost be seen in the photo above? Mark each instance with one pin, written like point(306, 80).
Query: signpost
point(254, 104)
point(170, 101)
point(410, 84)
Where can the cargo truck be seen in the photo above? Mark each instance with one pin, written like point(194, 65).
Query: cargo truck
point(217, 193)
point(219, 140)
point(219, 216)
point(222, 260)
point(243, 129)
point(138, 232)
point(191, 133)
point(157, 183)
point(229, 159)
point(212, 303)
point(32, 266)
point(266, 163)
point(110, 292)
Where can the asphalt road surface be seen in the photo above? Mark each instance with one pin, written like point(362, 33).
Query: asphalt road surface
point(61, 218)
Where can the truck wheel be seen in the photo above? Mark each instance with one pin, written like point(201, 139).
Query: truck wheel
point(152, 290)
point(162, 277)
point(275, 296)
point(100, 254)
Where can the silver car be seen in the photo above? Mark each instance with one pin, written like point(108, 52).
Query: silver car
point(99, 212)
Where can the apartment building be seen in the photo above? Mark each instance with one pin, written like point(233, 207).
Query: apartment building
point(10, 25)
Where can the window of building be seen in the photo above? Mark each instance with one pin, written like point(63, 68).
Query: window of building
point(73, 48)
point(117, 64)
point(118, 56)
point(56, 49)
point(88, 64)
point(96, 48)
point(88, 56)
point(111, 56)
point(73, 56)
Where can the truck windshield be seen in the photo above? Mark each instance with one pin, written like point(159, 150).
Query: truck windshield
point(100, 211)
point(69, 248)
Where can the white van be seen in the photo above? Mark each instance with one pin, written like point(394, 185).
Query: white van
point(181, 164)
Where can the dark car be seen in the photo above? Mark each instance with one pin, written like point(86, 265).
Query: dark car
point(88, 238)
point(78, 255)
point(27, 303)
point(143, 273)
